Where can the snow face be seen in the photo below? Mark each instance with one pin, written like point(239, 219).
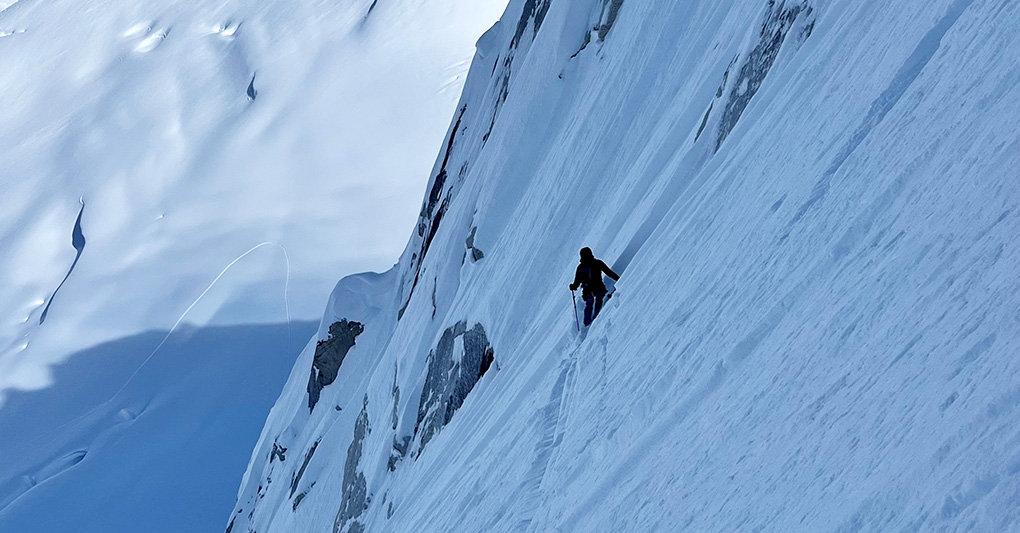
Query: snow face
point(813, 207)
point(195, 133)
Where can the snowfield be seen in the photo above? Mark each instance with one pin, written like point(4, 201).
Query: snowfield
point(195, 132)
point(814, 209)
point(181, 183)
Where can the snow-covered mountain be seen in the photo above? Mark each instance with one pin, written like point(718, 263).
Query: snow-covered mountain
point(194, 132)
point(180, 185)
point(814, 208)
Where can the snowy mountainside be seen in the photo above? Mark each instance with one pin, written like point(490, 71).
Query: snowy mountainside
point(275, 143)
point(180, 185)
point(814, 208)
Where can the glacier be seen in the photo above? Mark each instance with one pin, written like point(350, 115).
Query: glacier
point(813, 206)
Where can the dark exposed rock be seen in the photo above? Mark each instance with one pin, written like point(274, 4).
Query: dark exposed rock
point(354, 496)
point(400, 312)
point(610, 17)
point(532, 15)
point(279, 452)
point(431, 215)
point(534, 12)
point(450, 377)
point(607, 17)
point(301, 471)
point(396, 398)
point(298, 500)
point(329, 355)
point(435, 284)
point(230, 526)
point(476, 254)
point(399, 451)
point(704, 122)
point(437, 185)
point(779, 20)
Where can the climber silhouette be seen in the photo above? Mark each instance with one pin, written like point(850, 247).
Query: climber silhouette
point(589, 277)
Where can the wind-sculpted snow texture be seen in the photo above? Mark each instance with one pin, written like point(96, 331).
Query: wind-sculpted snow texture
point(813, 207)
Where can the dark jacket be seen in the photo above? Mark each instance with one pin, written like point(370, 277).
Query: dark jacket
point(589, 276)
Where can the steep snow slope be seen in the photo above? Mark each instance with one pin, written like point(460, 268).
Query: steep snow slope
point(169, 138)
point(814, 208)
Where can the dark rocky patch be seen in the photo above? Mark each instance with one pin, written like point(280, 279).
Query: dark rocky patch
point(354, 495)
point(329, 355)
point(399, 451)
point(779, 20)
point(430, 218)
point(279, 452)
point(436, 192)
point(435, 283)
point(609, 19)
point(451, 377)
point(298, 500)
point(301, 471)
point(704, 122)
point(396, 399)
point(533, 15)
point(476, 254)
point(534, 10)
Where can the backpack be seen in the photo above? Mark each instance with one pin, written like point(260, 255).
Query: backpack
point(591, 275)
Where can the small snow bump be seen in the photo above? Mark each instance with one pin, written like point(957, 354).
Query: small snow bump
point(226, 30)
point(138, 30)
point(152, 41)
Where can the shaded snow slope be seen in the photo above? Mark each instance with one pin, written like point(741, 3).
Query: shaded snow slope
point(814, 209)
point(196, 131)
point(159, 454)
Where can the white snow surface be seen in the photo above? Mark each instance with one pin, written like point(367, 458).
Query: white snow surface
point(196, 131)
point(814, 210)
point(198, 174)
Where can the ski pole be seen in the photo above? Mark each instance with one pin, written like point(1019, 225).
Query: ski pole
point(574, 299)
